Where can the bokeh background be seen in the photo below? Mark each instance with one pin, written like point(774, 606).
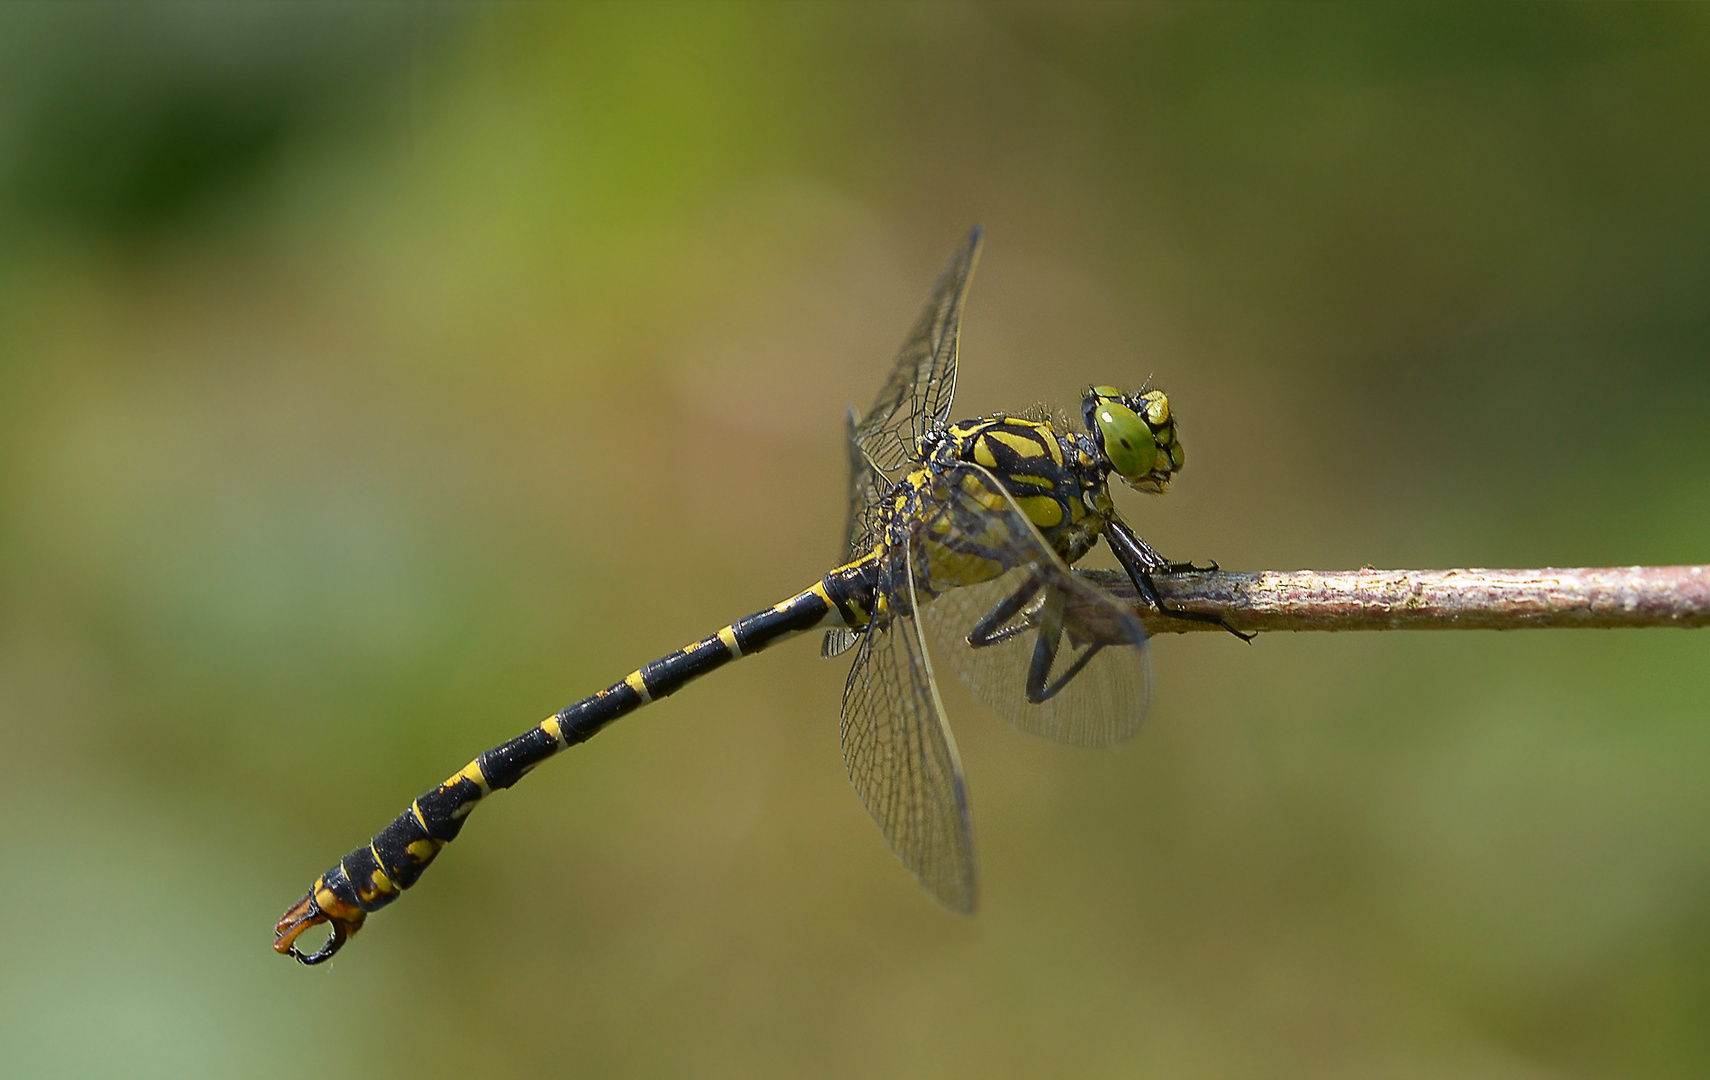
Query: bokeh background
point(375, 379)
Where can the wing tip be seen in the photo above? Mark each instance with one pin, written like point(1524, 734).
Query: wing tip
point(959, 896)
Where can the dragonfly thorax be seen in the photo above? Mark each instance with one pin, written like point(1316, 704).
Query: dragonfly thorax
point(1058, 481)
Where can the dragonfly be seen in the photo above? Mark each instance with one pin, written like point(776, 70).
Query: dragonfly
point(958, 552)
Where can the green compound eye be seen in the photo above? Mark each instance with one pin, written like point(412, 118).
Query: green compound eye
point(1128, 442)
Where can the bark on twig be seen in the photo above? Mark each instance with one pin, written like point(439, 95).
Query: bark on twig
point(1473, 599)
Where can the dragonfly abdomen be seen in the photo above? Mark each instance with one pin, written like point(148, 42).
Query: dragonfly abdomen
point(374, 875)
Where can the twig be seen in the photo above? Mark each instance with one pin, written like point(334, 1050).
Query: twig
point(1429, 599)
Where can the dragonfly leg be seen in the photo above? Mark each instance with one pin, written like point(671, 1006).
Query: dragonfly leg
point(1036, 690)
point(1045, 649)
point(1157, 564)
point(987, 632)
point(1192, 567)
point(1142, 561)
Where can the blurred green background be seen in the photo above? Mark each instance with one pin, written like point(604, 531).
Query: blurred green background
point(375, 379)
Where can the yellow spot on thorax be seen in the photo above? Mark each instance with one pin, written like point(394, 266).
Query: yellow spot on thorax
point(947, 568)
point(1045, 511)
point(1052, 448)
point(1024, 446)
point(982, 494)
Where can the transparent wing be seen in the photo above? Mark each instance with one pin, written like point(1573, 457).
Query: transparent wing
point(902, 758)
point(1052, 653)
point(838, 640)
point(866, 485)
point(916, 398)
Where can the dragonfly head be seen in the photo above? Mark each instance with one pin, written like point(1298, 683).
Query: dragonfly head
point(1136, 434)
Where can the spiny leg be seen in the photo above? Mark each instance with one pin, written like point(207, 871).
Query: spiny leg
point(1142, 561)
point(1046, 647)
point(1157, 564)
point(1036, 690)
point(1063, 680)
point(986, 632)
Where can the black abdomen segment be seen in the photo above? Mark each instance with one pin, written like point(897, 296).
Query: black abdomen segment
point(372, 876)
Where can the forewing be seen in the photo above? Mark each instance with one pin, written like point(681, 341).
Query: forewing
point(916, 397)
point(902, 759)
point(1101, 704)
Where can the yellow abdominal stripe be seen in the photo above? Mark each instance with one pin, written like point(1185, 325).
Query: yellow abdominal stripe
point(381, 882)
point(472, 772)
point(728, 636)
point(857, 614)
point(423, 850)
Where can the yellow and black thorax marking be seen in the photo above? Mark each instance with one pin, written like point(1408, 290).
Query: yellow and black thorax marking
point(1058, 481)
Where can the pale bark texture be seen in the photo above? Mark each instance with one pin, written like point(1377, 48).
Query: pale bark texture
point(1472, 599)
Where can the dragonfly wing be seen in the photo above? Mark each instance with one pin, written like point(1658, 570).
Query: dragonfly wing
point(866, 487)
point(902, 759)
point(916, 398)
point(838, 640)
point(1052, 653)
